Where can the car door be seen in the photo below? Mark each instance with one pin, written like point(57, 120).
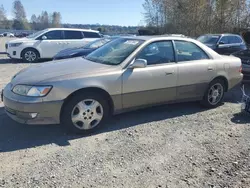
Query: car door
point(195, 70)
point(51, 43)
point(156, 83)
point(223, 46)
point(73, 39)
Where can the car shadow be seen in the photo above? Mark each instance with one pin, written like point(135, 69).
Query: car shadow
point(5, 60)
point(235, 94)
point(241, 118)
point(14, 136)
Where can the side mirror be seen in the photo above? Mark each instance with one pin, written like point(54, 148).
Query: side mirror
point(44, 37)
point(138, 63)
point(221, 42)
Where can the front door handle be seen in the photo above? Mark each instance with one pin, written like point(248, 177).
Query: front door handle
point(210, 68)
point(169, 73)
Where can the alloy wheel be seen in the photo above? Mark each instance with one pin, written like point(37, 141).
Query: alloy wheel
point(215, 93)
point(30, 56)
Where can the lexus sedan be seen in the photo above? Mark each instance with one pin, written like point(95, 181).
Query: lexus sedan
point(125, 74)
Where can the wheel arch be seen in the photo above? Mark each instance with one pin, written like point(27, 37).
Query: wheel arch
point(94, 90)
point(225, 80)
point(32, 48)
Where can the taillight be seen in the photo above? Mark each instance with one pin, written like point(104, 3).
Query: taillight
point(240, 70)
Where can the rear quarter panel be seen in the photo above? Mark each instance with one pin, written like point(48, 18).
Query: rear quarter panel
point(229, 67)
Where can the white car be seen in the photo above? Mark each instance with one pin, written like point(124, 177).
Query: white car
point(7, 34)
point(47, 43)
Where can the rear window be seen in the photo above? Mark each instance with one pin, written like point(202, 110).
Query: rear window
point(91, 34)
point(73, 35)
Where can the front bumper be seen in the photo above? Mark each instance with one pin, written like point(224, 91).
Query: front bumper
point(28, 110)
point(14, 52)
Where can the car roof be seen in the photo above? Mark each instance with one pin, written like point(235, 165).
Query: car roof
point(158, 37)
point(73, 29)
point(222, 34)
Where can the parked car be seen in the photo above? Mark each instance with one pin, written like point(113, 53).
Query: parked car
point(22, 35)
point(82, 51)
point(47, 43)
point(124, 74)
point(225, 44)
point(8, 34)
point(1, 35)
point(244, 55)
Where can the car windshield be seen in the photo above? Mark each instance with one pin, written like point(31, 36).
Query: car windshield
point(115, 52)
point(36, 34)
point(209, 39)
point(97, 43)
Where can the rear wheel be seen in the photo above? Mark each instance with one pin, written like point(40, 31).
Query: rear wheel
point(214, 94)
point(30, 55)
point(84, 113)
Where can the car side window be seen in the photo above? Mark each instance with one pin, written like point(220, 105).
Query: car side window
point(73, 35)
point(91, 34)
point(188, 51)
point(237, 39)
point(54, 35)
point(158, 53)
point(225, 40)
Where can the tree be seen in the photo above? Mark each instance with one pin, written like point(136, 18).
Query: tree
point(33, 22)
point(44, 20)
point(20, 20)
point(195, 17)
point(4, 22)
point(56, 19)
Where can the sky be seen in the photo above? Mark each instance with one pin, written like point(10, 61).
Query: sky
point(111, 12)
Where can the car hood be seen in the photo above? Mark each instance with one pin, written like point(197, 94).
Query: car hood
point(20, 40)
point(71, 51)
point(52, 71)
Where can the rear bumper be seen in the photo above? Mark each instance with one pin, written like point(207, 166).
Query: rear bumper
point(235, 81)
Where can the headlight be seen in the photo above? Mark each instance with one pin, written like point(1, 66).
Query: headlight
point(32, 91)
point(15, 44)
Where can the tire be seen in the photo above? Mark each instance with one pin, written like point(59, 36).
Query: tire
point(30, 55)
point(73, 109)
point(220, 86)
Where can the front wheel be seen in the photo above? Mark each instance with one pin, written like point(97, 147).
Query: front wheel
point(214, 94)
point(30, 56)
point(84, 113)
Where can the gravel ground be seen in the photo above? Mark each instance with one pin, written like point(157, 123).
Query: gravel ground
point(172, 146)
